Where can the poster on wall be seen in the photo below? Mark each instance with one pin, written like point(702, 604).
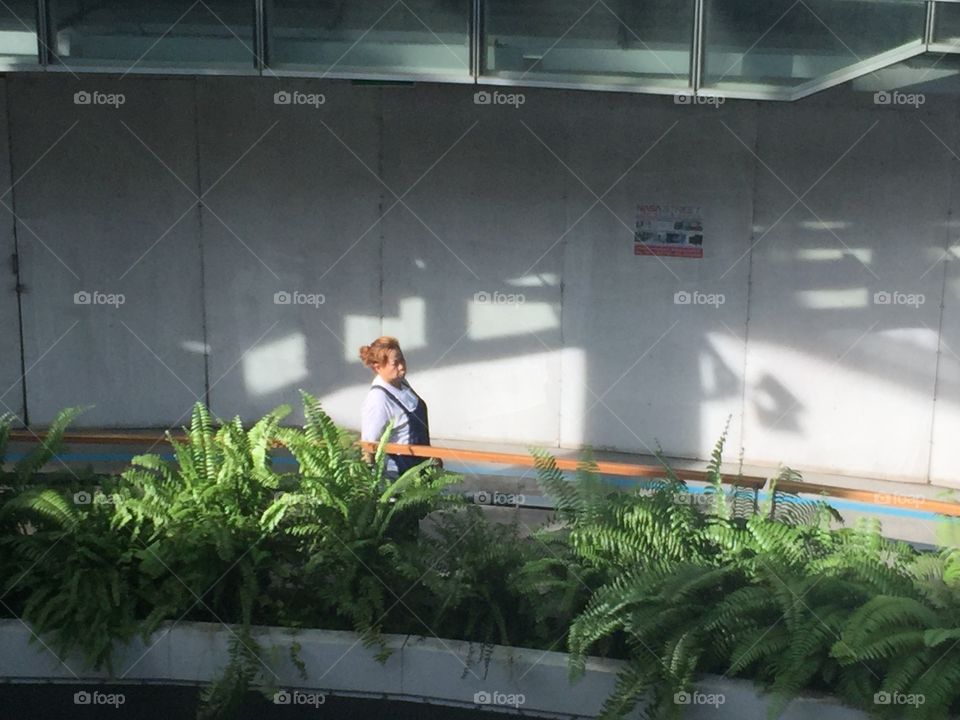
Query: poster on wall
point(669, 230)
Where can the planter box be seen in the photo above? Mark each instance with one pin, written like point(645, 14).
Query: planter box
point(448, 672)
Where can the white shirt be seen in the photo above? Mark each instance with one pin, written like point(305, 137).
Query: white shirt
point(378, 410)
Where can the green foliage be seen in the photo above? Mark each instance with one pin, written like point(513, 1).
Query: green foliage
point(776, 594)
point(676, 583)
point(217, 534)
point(352, 525)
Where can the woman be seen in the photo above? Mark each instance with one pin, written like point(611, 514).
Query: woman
point(392, 398)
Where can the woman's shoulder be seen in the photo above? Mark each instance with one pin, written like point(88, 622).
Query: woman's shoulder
point(376, 395)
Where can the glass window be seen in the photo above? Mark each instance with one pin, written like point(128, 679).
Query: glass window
point(18, 32)
point(370, 37)
point(154, 33)
point(783, 43)
point(644, 43)
point(947, 23)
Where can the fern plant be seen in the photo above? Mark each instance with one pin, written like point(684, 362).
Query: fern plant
point(764, 592)
point(349, 521)
point(61, 568)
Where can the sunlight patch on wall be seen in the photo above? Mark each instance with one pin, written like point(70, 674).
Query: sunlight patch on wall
point(825, 225)
point(195, 346)
point(537, 280)
point(864, 255)
point(409, 327)
point(508, 314)
point(841, 299)
point(275, 365)
point(847, 405)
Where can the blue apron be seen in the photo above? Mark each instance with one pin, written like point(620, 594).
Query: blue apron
point(419, 429)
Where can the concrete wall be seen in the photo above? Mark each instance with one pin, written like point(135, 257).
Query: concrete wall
point(408, 208)
point(101, 210)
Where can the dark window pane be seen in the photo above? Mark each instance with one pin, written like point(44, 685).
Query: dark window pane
point(581, 41)
point(155, 34)
point(380, 37)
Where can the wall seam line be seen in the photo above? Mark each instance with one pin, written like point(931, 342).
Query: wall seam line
point(943, 301)
point(200, 247)
point(746, 322)
point(16, 251)
point(380, 201)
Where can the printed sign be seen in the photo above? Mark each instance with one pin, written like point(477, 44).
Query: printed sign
point(669, 230)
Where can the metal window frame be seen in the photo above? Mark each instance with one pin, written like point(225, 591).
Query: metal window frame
point(43, 34)
point(262, 14)
point(259, 35)
point(850, 72)
point(697, 46)
point(478, 55)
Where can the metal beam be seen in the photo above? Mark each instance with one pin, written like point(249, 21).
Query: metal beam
point(697, 47)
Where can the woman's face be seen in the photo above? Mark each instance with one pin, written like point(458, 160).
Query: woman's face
point(394, 369)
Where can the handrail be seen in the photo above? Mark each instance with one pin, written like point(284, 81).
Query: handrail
point(425, 451)
point(938, 507)
point(602, 467)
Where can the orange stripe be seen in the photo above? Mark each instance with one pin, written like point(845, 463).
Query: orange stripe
point(941, 507)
